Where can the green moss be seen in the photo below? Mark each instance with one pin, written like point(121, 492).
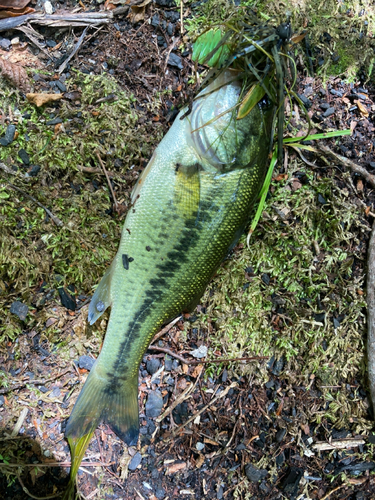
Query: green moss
point(279, 319)
point(32, 249)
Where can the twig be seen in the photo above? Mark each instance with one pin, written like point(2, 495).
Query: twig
point(32, 496)
point(5, 167)
point(20, 422)
point(371, 315)
point(338, 444)
point(109, 183)
point(199, 362)
point(181, 17)
point(179, 399)
point(32, 35)
point(348, 163)
point(211, 402)
point(166, 329)
point(55, 219)
point(74, 51)
point(332, 491)
point(37, 382)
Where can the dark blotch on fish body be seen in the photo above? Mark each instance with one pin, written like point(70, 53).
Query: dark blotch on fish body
point(125, 261)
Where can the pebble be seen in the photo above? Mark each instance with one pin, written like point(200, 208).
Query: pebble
point(336, 323)
point(5, 43)
point(160, 493)
point(321, 200)
point(329, 112)
point(168, 363)
point(24, 156)
point(155, 20)
point(336, 92)
point(170, 29)
point(55, 393)
point(60, 86)
point(9, 135)
point(172, 15)
point(324, 105)
point(55, 121)
point(255, 474)
point(2, 400)
point(135, 461)
point(175, 60)
point(66, 299)
point(200, 446)
point(86, 362)
point(19, 309)
point(280, 435)
point(152, 365)
point(33, 171)
point(154, 404)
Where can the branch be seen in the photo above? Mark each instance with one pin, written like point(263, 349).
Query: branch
point(348, 163)
point(371, 315)
point(33, 382)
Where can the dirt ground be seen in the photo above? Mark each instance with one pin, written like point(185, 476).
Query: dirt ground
point(273, 427)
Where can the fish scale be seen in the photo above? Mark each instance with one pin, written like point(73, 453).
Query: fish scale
point(189, 208)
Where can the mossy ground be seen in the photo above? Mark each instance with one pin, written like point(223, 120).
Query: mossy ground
point(34, 251)
point(341, 34)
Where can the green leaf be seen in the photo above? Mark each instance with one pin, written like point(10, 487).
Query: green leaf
point(4, 195)
point(313, 137)
point(205, 44)
point(253, 96)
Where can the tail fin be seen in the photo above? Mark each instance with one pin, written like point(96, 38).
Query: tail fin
point(115, 402)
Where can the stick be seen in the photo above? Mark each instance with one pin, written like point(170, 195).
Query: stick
point(211, 402)
point(338, 444)
point(56, 20)
point(348, 163)
point(32, 496)
point(109, 182)
point(199, 362)
point(37, 382)
point(56, 464)
point(55, 219)
point(371, 315)
point(166, 329)
point(332, 491)
point(74, 51)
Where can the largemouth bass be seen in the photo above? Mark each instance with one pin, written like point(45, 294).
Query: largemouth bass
point(189, 208)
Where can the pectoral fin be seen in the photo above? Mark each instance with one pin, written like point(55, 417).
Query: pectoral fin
point(102, 296)
point(187, 190)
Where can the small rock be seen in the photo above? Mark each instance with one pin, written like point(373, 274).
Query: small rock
point(135, 461)
point(168, 363)
point(266, 279)
point(170, 29)
point(5, 43)
point(336, 92)
point(55, 121)
point(175, 60)
point(321, 200)
point(160, 493)
point(152, 365)
point(9, 135)
point(199, 446)
point(336, 323)
point(60, 86)
point(306, 102)
point(280, 435)
point(85, 362)
point(24, 156)
point(329, 112)
point(255, 474)
point(66, 299)
point(19, 309)
point(199, 353)
point(33, 171)
point(324, 106)
point(280, 459)
point(2, 400)
point(51, 43)
point(55, 393)
point(372, 164)
point(155, 20)
point(154, 404)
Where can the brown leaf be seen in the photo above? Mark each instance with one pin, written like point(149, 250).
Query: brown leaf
point(16, 74)
point(362, 108)
point(13, 4)
point(137, 12)
point(360, 186)
point(281, 177)
point(41, 99)
point(298, 38)
point(4, 14)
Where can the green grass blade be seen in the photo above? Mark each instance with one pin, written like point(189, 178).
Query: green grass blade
point(314, 137)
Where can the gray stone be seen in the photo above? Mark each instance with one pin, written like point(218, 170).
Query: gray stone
point(154, 404)
point(329, 112)
point(85, 362)
point(135, 461)
point(255, 474)
point(19, 309)
point(175, 60)
point(152, 365)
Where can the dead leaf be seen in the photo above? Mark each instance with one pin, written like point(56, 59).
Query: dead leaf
point(362, 108)
point(298, 38)
point(13, 4)
point(199, 462)
point(4, 14)
point(16, 74)
point(137, 12)
point(360, 186)
point(281, 177)
point(41, 99)
point(353, 125)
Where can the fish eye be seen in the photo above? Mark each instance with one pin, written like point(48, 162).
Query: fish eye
point(100, 306)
